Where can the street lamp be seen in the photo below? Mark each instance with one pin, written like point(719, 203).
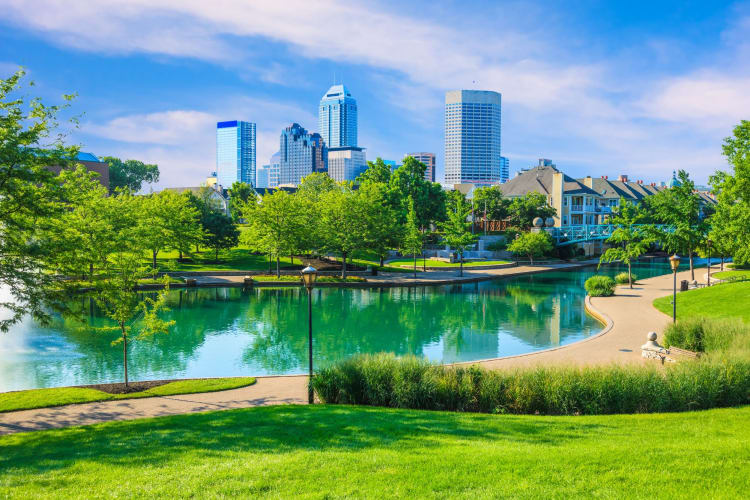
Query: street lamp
point(309, 275)
point(708, 279)
point(674, 261)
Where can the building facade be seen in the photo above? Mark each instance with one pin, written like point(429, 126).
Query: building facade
point(337, 118)
point(504, 169)
point(472, 137)
point(347, 163)
point(274, 169)
point(429, 161)
point(300, 154)
point(235, 152)
point(91, 163)
point(262, 175)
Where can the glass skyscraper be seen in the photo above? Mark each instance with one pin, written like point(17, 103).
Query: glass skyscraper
point(301, 153)
point(337, 118)
point(235, 153)
point(504, 169)
point(472, 137)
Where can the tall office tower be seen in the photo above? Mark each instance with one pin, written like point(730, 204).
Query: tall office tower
point(235, 153)
point(262, 175)
point(346, 164)
point(301, 153)
point(472, 137)
point(429, 161)
point(337, 118)
point(275, 166)
point(504, 169)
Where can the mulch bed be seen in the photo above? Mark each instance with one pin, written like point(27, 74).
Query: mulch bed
point(119, 388)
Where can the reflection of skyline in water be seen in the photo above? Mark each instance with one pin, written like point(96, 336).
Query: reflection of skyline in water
point(233, 332)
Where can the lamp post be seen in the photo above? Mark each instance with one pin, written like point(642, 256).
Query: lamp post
point(674, 261)
point(708, 279)
point(309, 275)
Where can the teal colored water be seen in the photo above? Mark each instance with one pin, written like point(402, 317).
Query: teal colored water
point(232, 332)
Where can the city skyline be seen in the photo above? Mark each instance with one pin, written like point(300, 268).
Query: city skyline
point(641, 90)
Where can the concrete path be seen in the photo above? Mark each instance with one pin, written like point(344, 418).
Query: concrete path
point(629, 314)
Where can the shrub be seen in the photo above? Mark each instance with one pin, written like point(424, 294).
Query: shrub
point(600, 286)
point(496, 246)
point(622, 278)
point(717, 336)
point(409, 382)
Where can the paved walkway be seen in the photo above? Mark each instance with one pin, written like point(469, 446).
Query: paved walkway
point(630, 314)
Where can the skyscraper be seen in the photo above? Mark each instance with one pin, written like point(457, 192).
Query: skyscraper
point(472, 137)
point(346, 164)
point(235, 152)
point(337, 118)
point(504, 169)
point(275, 166)
point(301, 153)
point(429, 161)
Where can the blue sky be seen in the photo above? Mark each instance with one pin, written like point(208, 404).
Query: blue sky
point(601, 88)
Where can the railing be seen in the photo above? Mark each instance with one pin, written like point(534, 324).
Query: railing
point(576, 208)
point(567, 235)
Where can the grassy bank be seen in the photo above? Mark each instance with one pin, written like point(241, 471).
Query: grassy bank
point(442, 263)
point(728, 300)
point(342, 452)
point(727, 275)
point(41, 398)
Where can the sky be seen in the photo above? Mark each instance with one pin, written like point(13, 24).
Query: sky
point(599, 87)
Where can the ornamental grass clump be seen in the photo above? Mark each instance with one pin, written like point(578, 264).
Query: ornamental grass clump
point(716, 336)
point(600, 286)
point(622, 278)
point(410, 382)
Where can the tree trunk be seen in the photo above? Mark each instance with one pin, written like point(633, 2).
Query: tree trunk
point(91, 271)
point(197, 249)
point(153, 258)
point(124, 351)
point(381, 261)
point(415, 266)
point(216, 255)
point(278, 268)
point(180, 253)
point(630, 277)
point(692, 269)
point(722, 263)
point(424, 262)
point(291, 258)
point(270, 266)
point(343, 265)
point(531, 259)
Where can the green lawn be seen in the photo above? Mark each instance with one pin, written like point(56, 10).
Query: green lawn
point(40, 398)
point(732, 274)
point(441, 263)
point(729, 300)
point(236, 259)
point(344, 452)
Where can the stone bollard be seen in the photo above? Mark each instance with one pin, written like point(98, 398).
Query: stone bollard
point(652, 350)
point(191, 282)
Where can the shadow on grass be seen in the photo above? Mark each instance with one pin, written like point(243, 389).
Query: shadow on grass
point(270, 430)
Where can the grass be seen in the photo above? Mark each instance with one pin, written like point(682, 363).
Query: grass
point(42, 398)
point(724, 275)
point(343, 452)
point(441, 263)
point(727, 300)
point(236, 259)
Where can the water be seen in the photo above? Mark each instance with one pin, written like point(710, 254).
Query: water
point(231, 332)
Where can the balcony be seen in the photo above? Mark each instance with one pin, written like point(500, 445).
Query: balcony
point(576, 208)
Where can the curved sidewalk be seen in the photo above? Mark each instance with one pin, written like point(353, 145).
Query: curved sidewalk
point(631, 313)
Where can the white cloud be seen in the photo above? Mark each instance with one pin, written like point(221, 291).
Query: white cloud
point(166, 128)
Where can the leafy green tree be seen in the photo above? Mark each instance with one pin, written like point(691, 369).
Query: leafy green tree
point(276, 225)
point(412, 239)
point(130, 174)
point(377, 172)
point(343, 230)
point(239, 194)
point(523, 210)
point(731, 222)
point(457, 231)
point(181, 222)
point(315, 185)
point(680, 208)
point(151, 224)
point(490, 204)
point(221, 232)
point(429, 198)
point(531, 244)
point(381, 230)
point(31, 142)
point(628, 240)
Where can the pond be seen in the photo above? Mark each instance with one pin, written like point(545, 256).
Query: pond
point(222, 332)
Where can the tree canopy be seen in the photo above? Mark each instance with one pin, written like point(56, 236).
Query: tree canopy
point(130, 174)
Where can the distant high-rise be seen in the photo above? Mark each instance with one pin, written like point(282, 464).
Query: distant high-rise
point(262, 176)
point(504, 169)
point(235, 153)
point(337, 118)
point(346, 164)
point(301, 153)
point(429, 161)
point(274, 169)
point(472, 137)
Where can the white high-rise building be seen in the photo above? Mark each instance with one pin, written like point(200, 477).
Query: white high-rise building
point(346, 164)
point(472, 137)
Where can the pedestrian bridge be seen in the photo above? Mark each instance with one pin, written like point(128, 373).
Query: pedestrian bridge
point(570, 235)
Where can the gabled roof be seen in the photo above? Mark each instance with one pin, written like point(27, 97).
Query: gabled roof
point(81, 156)
point(539, 179)
point(611, 189)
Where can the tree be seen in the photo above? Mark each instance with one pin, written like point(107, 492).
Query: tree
point(377, 172)
point(239, 194)
point(342, 228)
point(531, 244)
point(457, 231)
point(629, 240)
point(679, 207)
point(489, 202)
point(30, 200)
point(181, 222)
point(429, 198)
point(276, 225)
point(525, 209)
point(731, 222)
point(380, 229)
point(151, 223)
point(130, 174)
point(221, 232)
point(412, 240)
